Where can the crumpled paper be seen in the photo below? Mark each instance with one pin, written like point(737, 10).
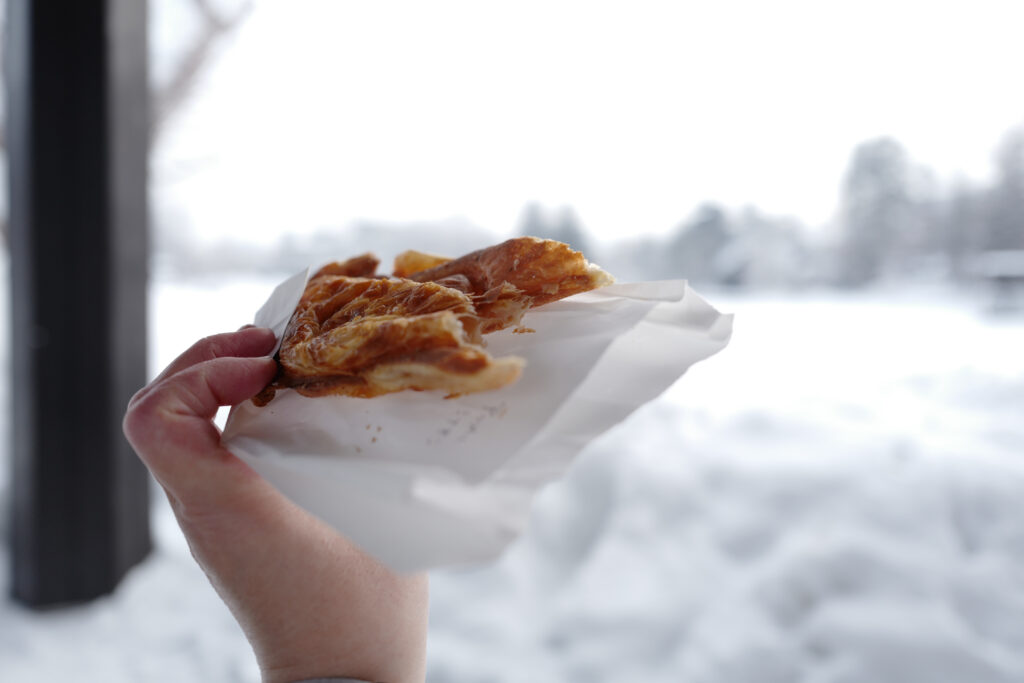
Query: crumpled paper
point(420, 481)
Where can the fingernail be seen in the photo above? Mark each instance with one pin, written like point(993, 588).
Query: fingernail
point(253, 330)
point(270, 336)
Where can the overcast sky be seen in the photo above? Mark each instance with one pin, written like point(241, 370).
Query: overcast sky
point(320, 112)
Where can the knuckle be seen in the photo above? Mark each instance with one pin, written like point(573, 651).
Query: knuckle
point(211, 346)
point(137, 415)
point(143, 413)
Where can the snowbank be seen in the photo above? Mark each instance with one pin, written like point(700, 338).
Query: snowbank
point(834, 498)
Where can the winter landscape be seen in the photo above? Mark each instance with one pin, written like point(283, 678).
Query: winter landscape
point(834, 498)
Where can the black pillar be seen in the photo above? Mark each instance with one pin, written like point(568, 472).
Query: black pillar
point(76, 132)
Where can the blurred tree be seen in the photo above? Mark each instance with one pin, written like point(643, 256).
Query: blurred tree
point(961, 228)
point(569, 229)
point(563, 226)
point(694, 251)
point(764, 251)
point(876, 211)
point(531, 220)
point(1005, 206)
point(217, 21)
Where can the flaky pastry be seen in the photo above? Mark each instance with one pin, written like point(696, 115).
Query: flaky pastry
point(358, 334)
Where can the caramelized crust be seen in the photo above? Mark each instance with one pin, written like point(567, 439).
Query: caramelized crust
point(409, 262)
point(508, 279)
point(364, 265)
point(543, 270)
point(358, 334)
point(370, 336)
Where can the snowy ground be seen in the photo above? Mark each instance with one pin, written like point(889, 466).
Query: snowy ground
point(834, 498)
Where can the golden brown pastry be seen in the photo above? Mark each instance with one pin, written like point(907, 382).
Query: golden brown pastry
point(409, 262)
point(357, 334)
point(364, 265)
point(508, 279)
point(544, 270)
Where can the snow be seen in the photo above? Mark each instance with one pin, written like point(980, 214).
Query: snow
point(834, 498)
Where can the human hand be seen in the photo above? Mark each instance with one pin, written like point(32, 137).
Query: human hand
point(310, 602)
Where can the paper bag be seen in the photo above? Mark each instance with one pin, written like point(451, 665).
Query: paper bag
point(421, 481)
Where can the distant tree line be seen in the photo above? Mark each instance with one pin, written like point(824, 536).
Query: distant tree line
point(712, 245)
point(894, 221)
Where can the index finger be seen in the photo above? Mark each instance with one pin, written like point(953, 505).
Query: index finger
point(245, 343)
point(171, 429)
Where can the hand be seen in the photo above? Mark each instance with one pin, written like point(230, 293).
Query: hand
point(309, 601)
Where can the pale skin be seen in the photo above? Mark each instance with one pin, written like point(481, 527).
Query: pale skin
point(309, 601)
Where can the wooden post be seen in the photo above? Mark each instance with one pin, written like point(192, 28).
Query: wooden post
point(77, 133)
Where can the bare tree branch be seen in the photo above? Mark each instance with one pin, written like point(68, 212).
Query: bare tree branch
point(215, 28)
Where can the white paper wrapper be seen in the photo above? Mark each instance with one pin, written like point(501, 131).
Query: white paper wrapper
point(422, 482)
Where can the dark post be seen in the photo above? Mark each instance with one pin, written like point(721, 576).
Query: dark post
point(76, 132)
